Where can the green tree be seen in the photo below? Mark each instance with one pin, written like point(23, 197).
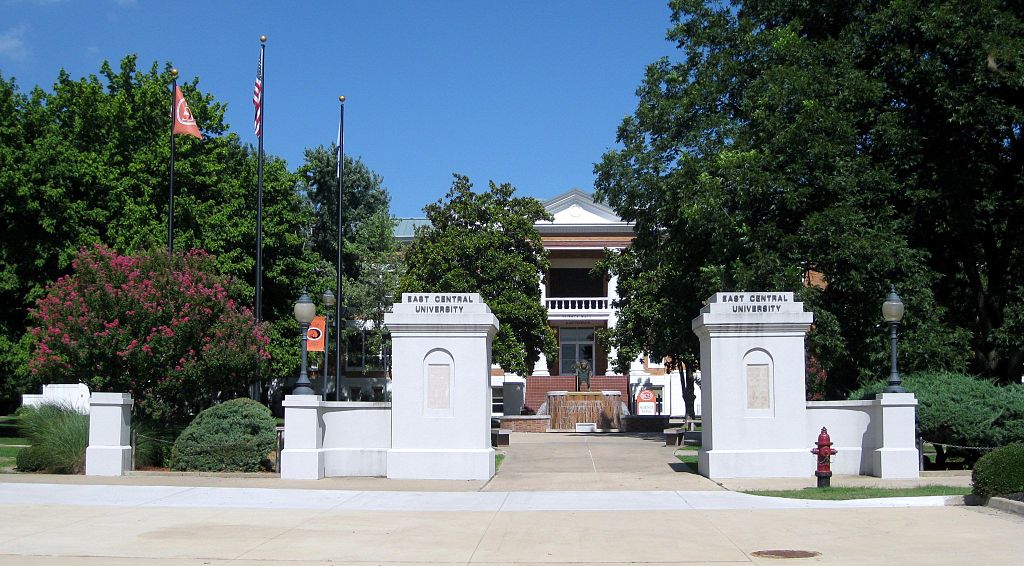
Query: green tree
point(372, 263)
point(164, 328)
point(486, 243)
point(86, 163)
point(373, 290)
point(365, 197)
point(868, 142)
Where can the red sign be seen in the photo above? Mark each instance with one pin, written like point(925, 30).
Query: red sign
point(646, 403)
point(315, 334)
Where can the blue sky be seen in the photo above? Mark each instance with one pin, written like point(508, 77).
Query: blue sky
point(527, 92)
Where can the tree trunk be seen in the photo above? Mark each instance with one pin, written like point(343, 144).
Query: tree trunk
point(689, 396)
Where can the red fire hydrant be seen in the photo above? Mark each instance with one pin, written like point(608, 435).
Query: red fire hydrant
point(824, 451)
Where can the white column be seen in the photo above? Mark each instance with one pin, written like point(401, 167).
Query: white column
point(897, 457)
point(754, 405)
point(110, 425)
point(541, 367)
point(302, 457)
point(441, 400)
point(613, 316)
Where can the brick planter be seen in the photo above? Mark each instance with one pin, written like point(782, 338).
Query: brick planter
point(537, 387)
point(526, 423)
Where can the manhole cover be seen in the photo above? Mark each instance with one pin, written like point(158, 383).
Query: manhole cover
point(785, 554)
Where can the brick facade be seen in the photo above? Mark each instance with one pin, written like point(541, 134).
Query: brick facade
point(531, 423)
point(537, 387)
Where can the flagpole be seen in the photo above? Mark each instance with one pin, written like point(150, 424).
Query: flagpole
point(259, 194)
point(341, 246)
point(170, 205)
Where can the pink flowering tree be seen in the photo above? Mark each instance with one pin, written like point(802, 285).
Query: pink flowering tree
point(164, 328)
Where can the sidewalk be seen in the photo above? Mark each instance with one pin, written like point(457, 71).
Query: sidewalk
point(580, 499)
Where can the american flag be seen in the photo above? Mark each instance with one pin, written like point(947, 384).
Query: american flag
point(257, 98)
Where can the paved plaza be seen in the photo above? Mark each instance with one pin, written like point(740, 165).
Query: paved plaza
point(585, 499)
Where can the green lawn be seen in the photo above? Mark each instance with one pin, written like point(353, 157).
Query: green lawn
point(7, 425)
point(8, 458)
point(8, 440)
point(688, 456)
point(838, 493)
point(498, 459)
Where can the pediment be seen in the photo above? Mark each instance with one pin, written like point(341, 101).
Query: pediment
point(578, 207)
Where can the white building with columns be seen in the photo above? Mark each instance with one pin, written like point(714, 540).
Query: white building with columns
point(579, 304)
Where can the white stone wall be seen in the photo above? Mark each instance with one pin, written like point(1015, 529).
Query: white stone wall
point(74, 395)
point(756, 421)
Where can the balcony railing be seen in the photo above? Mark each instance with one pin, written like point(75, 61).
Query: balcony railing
point(577, 304)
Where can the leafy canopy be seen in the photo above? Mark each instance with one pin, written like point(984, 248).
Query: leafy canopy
point(871, 143)
point(486, 243)
point(84, 162)
point(164, 328)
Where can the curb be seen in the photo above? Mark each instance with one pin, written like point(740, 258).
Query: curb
point(226, 475)
point(1008, 505)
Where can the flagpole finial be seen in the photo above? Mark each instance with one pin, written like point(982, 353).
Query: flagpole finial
point(341, 99)
point(174, 73)
point(263, 39)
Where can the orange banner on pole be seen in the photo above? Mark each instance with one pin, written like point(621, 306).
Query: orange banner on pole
point(315, 334)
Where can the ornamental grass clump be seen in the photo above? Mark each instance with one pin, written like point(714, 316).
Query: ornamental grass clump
point(58, 436)
point(1000, 473)
point(235, 436)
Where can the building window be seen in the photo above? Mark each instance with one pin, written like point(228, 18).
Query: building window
point(575, 282)
point(367, 351)
point(575, 345)
point(498, 400)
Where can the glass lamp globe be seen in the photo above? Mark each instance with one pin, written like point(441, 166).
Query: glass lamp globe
point(892, 308)
point(304, 310)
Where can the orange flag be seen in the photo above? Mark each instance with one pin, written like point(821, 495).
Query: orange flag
point(315, 334)
point(184, 123)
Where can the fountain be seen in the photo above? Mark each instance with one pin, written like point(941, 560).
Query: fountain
point(603, 409)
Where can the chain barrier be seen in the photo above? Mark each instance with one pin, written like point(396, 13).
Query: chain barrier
point(232, 445)
point(137, 435)
point(957, 446)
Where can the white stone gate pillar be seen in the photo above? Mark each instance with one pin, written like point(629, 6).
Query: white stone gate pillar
point(441, 389)
point(110, 428)
point(753, 386)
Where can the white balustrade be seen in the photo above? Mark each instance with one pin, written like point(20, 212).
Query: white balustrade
point(585, 304)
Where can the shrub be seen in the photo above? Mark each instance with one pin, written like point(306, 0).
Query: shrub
point(58, 436)
point(163, 328)
point(1000, 472)
point(953, 408)
point(235, 436)
point(1011, 419)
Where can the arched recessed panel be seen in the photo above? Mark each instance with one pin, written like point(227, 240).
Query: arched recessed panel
point(438, 384)
point(759, 371)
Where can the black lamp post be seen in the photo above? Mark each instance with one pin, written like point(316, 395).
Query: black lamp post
point(892, 312)
point(329, 301)
point(304, 310)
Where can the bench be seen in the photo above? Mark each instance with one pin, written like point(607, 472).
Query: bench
point(499, 436)
point(673, 437)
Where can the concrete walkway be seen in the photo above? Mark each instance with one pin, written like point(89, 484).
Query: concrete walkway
point(580, 499)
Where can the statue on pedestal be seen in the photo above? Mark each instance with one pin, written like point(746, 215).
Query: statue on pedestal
point(583, 375)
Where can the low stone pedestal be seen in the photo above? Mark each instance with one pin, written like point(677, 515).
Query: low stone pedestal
point(110, 427)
